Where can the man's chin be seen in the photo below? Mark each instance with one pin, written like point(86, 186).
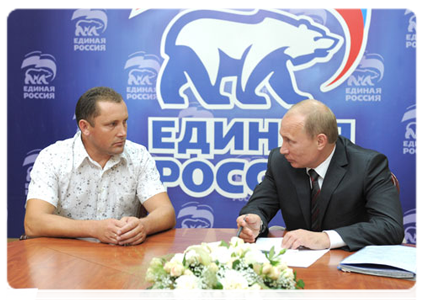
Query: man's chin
point(116, 150)
point(295, 165)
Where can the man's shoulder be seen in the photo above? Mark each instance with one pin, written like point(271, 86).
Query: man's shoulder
point(133, 149)
point(56, 155)
point(358, 153)
point(133, 146)
point(59, 146)
point(352, 147)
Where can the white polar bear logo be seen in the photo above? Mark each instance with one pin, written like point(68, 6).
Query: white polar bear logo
point(244, 56)
point(237, 38)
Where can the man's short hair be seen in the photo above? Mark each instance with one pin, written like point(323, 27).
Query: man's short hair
point(87, 108)
point(319, 119)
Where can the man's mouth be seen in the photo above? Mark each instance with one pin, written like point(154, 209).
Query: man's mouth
point(119, 144)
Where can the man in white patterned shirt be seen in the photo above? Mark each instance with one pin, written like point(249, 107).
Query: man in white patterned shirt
point(92, 184)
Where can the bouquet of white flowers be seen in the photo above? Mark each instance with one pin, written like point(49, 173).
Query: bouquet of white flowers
point(236, 265)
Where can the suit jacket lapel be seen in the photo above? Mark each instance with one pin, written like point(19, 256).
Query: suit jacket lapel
point(334, 175)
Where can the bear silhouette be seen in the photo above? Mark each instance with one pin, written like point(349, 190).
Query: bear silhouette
point(38, 76)
point(226, 58)
point(88, 28)
point(141, 77)
point(362, 78)
point(370, 70)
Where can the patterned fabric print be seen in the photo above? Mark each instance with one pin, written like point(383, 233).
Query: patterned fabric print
point(65, 176)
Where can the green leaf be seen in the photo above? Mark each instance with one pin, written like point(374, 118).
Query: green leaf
point(224, 244)
point(271, 253)
point(282, 252)
point(235, 264)
point(218, 286)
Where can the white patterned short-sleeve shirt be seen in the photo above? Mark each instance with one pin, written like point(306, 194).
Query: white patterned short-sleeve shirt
point(65, 176)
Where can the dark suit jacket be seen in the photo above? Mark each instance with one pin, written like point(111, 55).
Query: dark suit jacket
point(357, 198)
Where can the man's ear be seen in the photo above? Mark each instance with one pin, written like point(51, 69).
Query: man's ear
point(84, 126)
point(322, 141)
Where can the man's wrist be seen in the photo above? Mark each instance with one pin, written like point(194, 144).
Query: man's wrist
point(92, 228)
point(335, 240)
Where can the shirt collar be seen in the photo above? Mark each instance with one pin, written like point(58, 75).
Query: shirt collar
point(323, 167)
point(80, 153)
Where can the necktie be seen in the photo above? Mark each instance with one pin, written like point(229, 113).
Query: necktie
point(315, 191)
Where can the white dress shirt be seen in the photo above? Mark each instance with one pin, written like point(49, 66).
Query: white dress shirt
point(335, 239)
point(65, 176)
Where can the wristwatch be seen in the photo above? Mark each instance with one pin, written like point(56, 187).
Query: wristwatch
point(261, 226)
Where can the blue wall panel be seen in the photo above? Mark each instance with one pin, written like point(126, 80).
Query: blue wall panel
point(206, 91)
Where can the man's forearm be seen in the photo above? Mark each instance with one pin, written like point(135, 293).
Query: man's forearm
point(159, 220)
point(56, 226)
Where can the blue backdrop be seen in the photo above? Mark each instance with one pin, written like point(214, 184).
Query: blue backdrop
point(206, 91)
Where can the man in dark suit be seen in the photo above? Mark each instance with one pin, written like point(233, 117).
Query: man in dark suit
point(355, 203)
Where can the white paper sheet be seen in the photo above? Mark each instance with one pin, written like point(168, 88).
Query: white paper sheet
point(21, 294)
point(294, 258)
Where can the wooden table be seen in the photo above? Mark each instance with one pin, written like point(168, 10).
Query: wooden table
point(52, 263)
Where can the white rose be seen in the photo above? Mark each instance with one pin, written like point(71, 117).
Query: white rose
point(156, 262)
point(274, 273)
point(250, 247)
point(177, 258)
point(167, 267)
point(233, 280)
point(282, 265)
point(267, 268)
point(236, 241)
point(188, 272)
point(188, 282)
point(240, 250)
point(257, 268)
point(221, 254)
point(209, 247)
point(197, 254)
point(177, 270)
point(150, 276)
point(192, 257)
point(288, 273)
point(213, 268)
point(255, 256)
point(212, 246)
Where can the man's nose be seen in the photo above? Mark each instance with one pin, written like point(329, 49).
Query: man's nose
point(283, 150)
point(122, 130)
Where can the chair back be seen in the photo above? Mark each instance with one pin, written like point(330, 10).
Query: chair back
point(395, 181)
point(141, 212)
